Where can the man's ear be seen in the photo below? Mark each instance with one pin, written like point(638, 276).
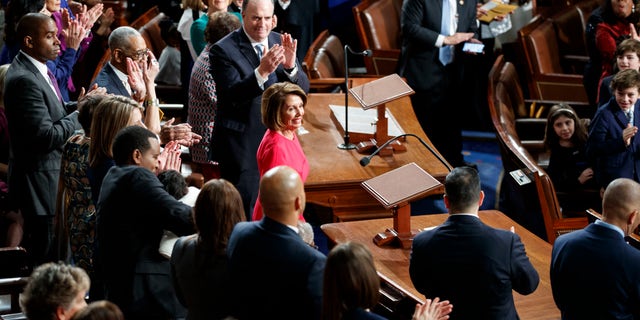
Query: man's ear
point(28, 41)
point(136, 157)
point(481, 198)
point(60, 313)
point(118, 55)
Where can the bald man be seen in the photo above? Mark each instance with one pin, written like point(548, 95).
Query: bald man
point(39, 125)
point(276, 274)
point(595, 274)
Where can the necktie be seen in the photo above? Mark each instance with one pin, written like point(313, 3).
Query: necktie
point(446, 52)
point(629, 116)
point(55, 84)
point(259, 50)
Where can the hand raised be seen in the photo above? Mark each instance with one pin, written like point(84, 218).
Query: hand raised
point(290, 46)
point(270, 61)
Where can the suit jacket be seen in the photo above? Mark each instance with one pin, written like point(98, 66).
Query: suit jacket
point(421, 22)
point(39, 125)
point(595, 275)
point(472, 265)
point(606, 148)
point(108, 79)
point(133, 211)
point(276, 275)
point(239, 129)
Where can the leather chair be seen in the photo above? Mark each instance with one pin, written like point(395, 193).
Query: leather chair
point(378, 27)
point(547, 79)
point(14, 272)
point(569, 25)
point(633, 239)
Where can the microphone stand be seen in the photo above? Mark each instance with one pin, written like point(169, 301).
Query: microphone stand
point(365, 160)
point(347, 145)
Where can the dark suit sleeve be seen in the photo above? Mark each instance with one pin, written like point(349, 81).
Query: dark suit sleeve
point(314, 284)
point(233, 85)
point(416, 267)
point(524, 277)
point(174, 215)
point(601, 139)
point(413, 29)
point(48, 134)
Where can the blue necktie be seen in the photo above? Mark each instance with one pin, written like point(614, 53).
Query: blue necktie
point(446, 52)
point(259, 50)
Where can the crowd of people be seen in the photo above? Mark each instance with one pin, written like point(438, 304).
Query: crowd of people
point(240, 246)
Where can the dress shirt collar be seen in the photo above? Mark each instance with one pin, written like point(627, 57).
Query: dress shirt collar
point(42, 68)
point(466, 214)
point(610, 226)
point(121, 75)
point(264, 43)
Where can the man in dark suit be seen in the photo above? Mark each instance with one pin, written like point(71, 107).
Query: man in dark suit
point(594, 271)
point(242, 72)
point(431, 60)
point(133, 210)
point(39, 125)
point(131, 72)
point(467, 262)
point(276, 274)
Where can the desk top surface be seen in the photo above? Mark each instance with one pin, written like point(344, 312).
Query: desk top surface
point(394, 262)
point(330, 165)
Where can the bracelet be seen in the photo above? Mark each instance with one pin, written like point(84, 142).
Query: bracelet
point(152, 102)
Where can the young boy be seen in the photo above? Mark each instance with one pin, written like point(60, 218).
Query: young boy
point(612, 145)
point(627, 57)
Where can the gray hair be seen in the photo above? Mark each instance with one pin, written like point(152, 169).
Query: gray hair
point(119, 38)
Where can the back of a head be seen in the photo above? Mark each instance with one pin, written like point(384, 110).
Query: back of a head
point(99, 310)
point(87, 106)
point(109, 117)
point(462, 188)
point(174, 183)
point(218, 209)
point(220, 24)
point(128, 140)
point(279, 189)
point(350, 280)
point(620, 199)
point(50, 286)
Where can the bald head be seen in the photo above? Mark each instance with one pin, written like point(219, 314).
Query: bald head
point(282, 195)
point(620, 201)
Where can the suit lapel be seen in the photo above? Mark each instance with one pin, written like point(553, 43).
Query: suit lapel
point(50, 95)
point(113, 78)
point(244, 44)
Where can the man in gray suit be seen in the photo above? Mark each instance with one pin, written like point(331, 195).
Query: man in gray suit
point(39, 125)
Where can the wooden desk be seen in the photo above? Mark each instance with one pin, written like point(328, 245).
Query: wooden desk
point(394, 262)
point(335, 175)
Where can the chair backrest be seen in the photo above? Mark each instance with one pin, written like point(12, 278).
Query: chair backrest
point(569, 25)
point(378, 24)
point(325, 57)
point(151, 34)
point(508, 88)
point(541, 46)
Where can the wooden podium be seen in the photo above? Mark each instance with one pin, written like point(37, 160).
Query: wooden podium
point(394, 190)
point(375, 94)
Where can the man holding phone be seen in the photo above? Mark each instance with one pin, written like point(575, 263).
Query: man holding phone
point(431, 61)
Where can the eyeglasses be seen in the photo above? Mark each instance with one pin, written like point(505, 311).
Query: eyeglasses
point(137, 55)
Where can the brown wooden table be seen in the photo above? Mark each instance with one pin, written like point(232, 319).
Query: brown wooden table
point(394, 262)
point(335, 175)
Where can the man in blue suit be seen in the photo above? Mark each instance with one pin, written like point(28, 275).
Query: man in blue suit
point(244, 64)
point(276, 274)
point(595, 273)
point(612, 144)
point(472, 265)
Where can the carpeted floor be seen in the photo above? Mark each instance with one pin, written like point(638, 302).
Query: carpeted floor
point(482, 149)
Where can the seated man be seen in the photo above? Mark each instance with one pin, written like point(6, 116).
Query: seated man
point(595, 274)
point(467, 262)
point(55, 292)
point(276, 274)
point(131, 73)
point(133, 211)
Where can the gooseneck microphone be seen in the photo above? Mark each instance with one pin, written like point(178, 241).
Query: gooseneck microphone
point(347, 145)
point(365, 160)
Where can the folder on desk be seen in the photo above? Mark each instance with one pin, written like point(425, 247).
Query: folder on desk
point(401, 185)
point(380, 91)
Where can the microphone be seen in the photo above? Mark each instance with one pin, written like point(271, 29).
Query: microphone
point(347, 145)
point(365, 160)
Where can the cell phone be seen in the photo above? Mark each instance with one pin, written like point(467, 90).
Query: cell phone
point(473, 47)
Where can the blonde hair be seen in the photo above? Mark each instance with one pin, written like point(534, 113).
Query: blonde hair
point(110, 116)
